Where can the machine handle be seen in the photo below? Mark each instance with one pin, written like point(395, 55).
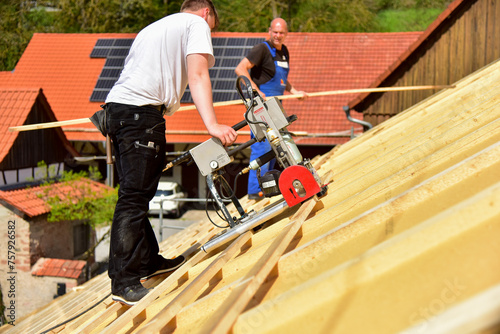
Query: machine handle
point(177, 161)
point(239, 125)
point(187, 155)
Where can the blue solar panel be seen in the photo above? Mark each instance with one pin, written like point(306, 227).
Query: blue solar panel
point(115, 51)
point(253, 41)
point(99, 53)
point(111, 72)
point(119, 53)
point(104, 42)
point(218, 52)
point(124, 42)
point(224, 85)
point(98, 95)
point(114, 62)
point(229, 62)
point(228, 53)
point(236, 41)
point(234, 52)
point(105, 84)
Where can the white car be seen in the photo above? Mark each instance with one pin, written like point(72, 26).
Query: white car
point(167, 191)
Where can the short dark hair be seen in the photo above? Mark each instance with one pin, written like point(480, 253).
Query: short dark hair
point(194, 5)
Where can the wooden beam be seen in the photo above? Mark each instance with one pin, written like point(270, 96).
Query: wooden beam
point(479, 314)
point(323, 253)
point(236, 102)
point(417, 273)
point(138, 308)
point(239, 298)
point(156, 324)
point(55, 313)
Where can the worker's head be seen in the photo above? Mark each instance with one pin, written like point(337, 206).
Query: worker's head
point(277, 32)
point(203, 8)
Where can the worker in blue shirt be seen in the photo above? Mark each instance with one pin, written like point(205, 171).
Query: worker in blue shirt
point(267, 67)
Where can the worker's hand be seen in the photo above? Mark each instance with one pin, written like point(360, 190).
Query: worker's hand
point(260, 93)
point(226, 134)
point(304, 95)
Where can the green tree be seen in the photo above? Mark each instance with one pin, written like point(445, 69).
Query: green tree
point(84, 203)
point(243, 15)
point(18, 21)
point(331, 16)
point(110, 16)
point(81, 203)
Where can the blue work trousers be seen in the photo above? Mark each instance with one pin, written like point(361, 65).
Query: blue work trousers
point(257, 150)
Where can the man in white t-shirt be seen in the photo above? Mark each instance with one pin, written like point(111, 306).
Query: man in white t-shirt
point(164, 58)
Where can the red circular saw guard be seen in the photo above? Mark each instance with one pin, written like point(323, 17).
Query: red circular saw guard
point(308, 187)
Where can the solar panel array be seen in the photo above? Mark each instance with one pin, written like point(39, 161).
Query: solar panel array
point(115, 51)
point(228, 53)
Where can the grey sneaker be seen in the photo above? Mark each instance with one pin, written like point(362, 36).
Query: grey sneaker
point(131, 294)
point(166, 266)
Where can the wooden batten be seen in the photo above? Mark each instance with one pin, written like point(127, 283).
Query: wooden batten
point(406, 232)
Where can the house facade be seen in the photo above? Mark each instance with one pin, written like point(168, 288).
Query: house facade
point(43, 259)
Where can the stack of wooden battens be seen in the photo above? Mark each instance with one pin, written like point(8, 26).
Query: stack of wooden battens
point(406, 239)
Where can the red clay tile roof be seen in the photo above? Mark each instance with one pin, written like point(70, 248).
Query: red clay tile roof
point(5, 75)
point(15, 106)
point(326, 62)
point(31, 202)
point(58, 268)
point(61, 65)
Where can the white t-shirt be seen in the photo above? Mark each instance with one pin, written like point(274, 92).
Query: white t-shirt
point(155, 70)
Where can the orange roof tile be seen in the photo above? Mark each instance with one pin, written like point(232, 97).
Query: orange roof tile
point(58, 268)
point(326, 62)
point(61, 65)
point(29, 200)
point(5, 75)
point(15, 106)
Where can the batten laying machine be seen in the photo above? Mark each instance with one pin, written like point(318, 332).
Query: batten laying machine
point(297, 181)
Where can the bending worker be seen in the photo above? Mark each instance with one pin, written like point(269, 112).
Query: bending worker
point(266, 65)
point(165, 56)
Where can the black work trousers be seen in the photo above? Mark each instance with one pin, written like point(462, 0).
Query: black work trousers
point(138, 135)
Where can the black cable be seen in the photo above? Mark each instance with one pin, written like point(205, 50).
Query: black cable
point(213, 205)
point(76, 316)
point(221, 216)
point(251, 93)
point(230, 195)
point(235, 182)
point(216, 208)
point(252, 122)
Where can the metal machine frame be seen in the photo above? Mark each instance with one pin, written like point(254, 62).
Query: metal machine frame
point(297, 181)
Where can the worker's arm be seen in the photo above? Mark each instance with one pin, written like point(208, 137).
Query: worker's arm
point(292, 90)
point(243, 68)
point(201, 92)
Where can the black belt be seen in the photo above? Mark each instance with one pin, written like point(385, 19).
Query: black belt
point(160, 107)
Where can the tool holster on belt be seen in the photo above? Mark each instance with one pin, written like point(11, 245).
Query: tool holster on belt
point(99, 120)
